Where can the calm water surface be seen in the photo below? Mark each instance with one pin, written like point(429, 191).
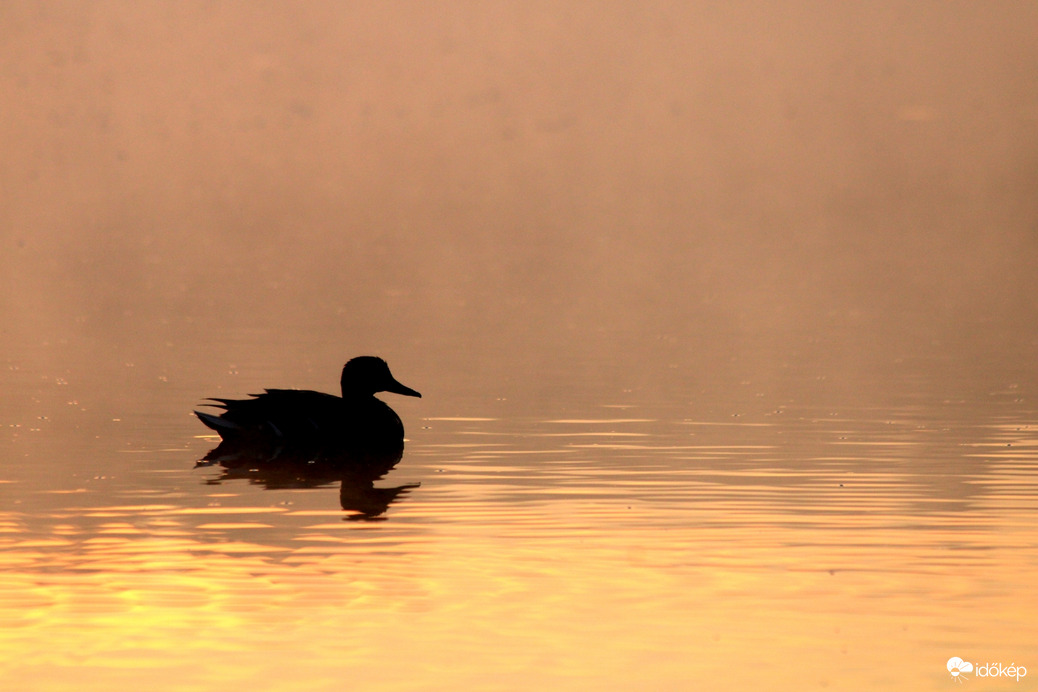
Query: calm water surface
point(625, 545)
point(724, 317)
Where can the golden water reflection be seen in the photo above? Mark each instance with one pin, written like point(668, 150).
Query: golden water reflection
point(537, 557)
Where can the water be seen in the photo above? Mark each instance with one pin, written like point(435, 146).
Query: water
point(728, 376)
point(798, 546)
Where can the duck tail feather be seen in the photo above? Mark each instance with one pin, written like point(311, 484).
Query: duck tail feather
point(219, 403)
point(217, 423)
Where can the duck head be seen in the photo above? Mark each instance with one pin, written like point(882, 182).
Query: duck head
point(366, 375)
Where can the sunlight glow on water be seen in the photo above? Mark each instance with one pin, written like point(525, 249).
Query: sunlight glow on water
point(551, 557)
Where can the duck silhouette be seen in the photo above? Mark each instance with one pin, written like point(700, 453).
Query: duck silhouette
point(356, 422)
point(291, 438)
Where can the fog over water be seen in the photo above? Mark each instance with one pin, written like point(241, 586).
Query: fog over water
point(532, 210)
point(551, 181)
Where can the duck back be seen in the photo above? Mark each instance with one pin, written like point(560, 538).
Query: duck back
point(291, 415)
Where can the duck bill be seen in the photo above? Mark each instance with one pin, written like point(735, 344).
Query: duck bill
point(397, 388)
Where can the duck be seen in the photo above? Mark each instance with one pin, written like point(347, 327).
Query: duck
point(357, 419)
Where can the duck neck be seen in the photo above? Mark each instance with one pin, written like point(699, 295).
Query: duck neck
point(352, 394)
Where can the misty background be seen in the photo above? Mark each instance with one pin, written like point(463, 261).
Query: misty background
point(539, 202)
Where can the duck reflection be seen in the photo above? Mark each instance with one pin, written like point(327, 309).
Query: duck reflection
point(288, 438)
point(294, 467)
